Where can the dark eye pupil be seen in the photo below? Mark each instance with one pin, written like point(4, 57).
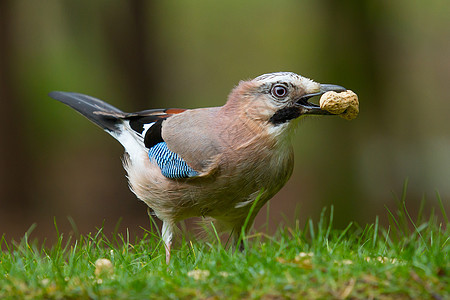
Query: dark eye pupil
point(279, 91)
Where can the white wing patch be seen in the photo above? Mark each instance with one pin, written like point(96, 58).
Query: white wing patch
point(147, 127)
point(132, 141)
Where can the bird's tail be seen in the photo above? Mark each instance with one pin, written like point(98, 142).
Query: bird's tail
point(99, 112)
point(109, 118)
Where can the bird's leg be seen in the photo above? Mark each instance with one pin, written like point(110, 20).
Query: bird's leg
point(238, 242)
point(167, 246)
point(167, 234)
point(241, 246)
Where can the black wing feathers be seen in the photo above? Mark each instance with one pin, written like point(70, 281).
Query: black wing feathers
point(153, 135)
point(137, 122)
point(155, 117)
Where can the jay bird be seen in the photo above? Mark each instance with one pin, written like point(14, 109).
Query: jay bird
point(211, 162)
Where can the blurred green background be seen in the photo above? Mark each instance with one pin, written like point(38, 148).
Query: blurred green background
point(147, 54)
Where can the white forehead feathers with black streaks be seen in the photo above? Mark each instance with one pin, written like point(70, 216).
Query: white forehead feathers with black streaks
point(289, 78)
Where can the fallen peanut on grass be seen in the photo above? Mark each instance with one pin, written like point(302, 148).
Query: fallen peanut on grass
point(103, 266)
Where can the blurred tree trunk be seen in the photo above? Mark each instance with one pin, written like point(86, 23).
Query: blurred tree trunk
point(133, 37)
point(15, 168)
point(358, 68)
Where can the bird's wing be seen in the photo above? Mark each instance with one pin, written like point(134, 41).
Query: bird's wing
point(195, 136)
point(147, 125)
point(183, 143)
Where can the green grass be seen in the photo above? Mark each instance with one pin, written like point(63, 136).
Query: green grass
point(407, 260)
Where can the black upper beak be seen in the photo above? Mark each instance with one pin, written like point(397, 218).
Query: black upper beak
point(314, 109)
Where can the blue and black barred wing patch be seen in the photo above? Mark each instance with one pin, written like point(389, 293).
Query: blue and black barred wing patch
point(170, 163)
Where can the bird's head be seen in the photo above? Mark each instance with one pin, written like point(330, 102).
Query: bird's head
point(278, 98)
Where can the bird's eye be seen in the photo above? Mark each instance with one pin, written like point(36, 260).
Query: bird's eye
point(279, 91)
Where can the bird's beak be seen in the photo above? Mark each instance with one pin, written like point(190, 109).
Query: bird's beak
point(308, 108)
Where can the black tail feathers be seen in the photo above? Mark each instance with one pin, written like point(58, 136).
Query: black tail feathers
point(99, 112)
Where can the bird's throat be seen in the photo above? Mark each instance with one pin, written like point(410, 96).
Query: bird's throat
point(285, 115)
